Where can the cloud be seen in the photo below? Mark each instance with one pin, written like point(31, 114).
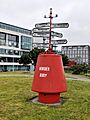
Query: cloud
point(26, 13)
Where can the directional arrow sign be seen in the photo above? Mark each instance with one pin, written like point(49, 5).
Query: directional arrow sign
point(34, 30)
point(40, 35)
point(41, 31)
point(63, 41)
point(54, 25)
point(40, 25)
point(60, 25)
point(40, 45)
point(46, 34)
point(60, 35)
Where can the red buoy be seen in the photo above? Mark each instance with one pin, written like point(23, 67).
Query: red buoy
point(49, 80)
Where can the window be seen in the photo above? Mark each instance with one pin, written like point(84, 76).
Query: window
point(26, 42)
point(13, 40)
point(2, 38)
point(11, 52)
point(2, 51)
point(16, 52)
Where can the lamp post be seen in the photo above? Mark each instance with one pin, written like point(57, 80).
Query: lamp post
point(13, 61)
point(3, 65)
point(13, 56)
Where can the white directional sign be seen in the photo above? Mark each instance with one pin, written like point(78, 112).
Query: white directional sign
point(40, 35)
point(40, 25)
point(40, 45)
point(54, 42)
point(63, 41)
point(46, 34)
point(54, 25)
point(60, 25)
point(34, 30)
point(60, 35)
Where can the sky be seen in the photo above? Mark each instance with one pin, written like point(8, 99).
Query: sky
point(26, 13)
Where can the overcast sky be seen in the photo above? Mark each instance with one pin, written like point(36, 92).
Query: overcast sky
point(26, 13)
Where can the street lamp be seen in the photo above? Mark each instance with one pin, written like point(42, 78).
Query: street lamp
point(3, 65)
point(13, 55)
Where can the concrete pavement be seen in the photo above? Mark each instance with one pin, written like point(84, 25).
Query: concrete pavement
point(76, 77)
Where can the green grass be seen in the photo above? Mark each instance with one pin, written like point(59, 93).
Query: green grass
point(17, 72)
point(15, 104)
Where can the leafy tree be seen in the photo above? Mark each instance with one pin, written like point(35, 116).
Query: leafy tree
point(31, 57)
point(34, 54)
point(25, 59)
point(64, 59)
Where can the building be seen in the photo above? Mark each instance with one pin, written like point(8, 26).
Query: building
point(14, 41)
point(79, 53)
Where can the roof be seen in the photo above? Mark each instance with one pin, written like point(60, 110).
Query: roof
point(14, 28)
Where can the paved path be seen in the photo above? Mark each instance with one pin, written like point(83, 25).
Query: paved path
point(31, 75)
point(76, 77)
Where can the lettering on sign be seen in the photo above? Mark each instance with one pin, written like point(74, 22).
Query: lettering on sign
point(45, 69)
point(43, 75)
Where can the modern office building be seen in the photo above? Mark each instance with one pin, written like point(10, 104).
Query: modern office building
point(14, 41)
point(79, 53)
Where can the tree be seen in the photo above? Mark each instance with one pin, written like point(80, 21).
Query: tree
point(64, 59)
point(30, 57)
point(25, 59)
point(34, 54)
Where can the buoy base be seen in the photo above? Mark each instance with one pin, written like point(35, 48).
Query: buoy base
point(49, 98)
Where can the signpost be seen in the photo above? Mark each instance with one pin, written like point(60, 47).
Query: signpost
point(35, 30)
point(60, 25)
point(46, 34)
point(41, 25)
point(55, 34)
point(63, 41)
point(45, 30)
point(41, 35)
point(44, 45)
point(54, 25)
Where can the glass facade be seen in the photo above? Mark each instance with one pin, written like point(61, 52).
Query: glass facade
point(10, 52)
point(26, 42)
point(78, 53)
point(16, 68)
point(14, 41)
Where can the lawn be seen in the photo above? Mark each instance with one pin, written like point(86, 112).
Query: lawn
point(16, 72)
point(15, 104)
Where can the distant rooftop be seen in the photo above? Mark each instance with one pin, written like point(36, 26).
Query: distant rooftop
point(14, 28)
point(76, 46)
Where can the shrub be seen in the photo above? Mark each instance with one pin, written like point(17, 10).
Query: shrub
point(77, 69)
